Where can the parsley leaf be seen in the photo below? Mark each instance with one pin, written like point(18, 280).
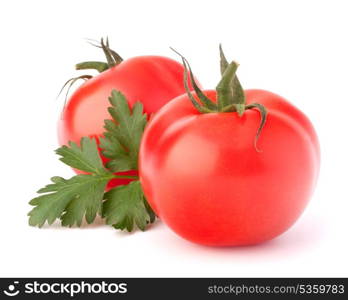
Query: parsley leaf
point(125, 206)
point(123, 134)
point(82, 196)
point(72, 199)
point(84, 157)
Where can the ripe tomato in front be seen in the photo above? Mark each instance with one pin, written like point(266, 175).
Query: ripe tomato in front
point(204, 178)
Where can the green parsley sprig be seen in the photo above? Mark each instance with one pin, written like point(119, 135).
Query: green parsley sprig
point(83, 196)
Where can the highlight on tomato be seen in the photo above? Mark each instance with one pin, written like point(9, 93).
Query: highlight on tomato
point(228, 167)
point(152, 80)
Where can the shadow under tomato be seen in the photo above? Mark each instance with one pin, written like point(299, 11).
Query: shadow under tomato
point(305, 235)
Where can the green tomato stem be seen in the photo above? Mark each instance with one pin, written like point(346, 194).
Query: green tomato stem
point(223, 89)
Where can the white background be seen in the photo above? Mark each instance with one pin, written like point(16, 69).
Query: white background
point(298, 49)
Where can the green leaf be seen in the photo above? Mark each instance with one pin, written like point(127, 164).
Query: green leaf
point(125, 206)
point(69, 200)
point(85, 158)
point(72, 199)
point(123, 134)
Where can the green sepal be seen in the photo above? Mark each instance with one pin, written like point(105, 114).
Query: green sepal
point(70, 82)
point(207, 104)
point(92, 65)
point(112, 57)
point(263, 112)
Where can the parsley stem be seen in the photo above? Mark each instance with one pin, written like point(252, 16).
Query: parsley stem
point(125, 177)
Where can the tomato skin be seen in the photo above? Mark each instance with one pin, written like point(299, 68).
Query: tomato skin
point(203, 177)
point(153, 80)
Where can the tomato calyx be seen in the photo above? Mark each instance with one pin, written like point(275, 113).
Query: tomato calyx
point(112, 59)
point(230, 94)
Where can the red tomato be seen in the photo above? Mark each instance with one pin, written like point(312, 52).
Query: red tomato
point(153, 80)
point(204, 178)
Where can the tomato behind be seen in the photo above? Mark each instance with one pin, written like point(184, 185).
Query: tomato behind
point(152, 80)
